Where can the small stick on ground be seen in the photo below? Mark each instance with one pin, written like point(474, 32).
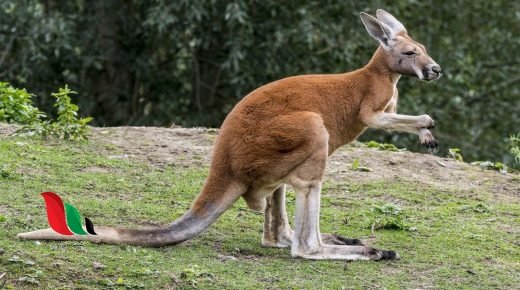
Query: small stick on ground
point(321, 272)
point(2, 275)
point(373, 235)
point(250, 210)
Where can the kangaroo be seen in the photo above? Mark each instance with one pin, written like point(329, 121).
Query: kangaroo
point(282, 134)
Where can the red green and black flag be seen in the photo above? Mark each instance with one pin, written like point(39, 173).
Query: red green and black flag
point(65, 218)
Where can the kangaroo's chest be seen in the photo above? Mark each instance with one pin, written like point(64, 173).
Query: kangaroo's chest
point(391, 105)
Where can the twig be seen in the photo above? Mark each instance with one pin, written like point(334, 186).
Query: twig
point(373, 235)
point(7, 49)
point(196, 90)
point(317, 270)
point(2, 275)
point(250, 210)
point(500, 64)
point(494, 89)
point(16, 153)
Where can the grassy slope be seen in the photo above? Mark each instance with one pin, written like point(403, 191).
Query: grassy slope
point(462, 240)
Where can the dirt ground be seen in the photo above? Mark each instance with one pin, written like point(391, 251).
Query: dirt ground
point(182, 147)
point(193, 147)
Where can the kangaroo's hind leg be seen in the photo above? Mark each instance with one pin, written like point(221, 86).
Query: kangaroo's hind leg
point(278, 232)
point(307, 180)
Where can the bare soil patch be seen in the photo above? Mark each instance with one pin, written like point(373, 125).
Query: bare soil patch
point(193, 147)
point(183, 147)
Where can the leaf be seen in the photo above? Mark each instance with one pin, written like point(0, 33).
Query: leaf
point(30, 280)
point(355, 164)
point(372, 144)
point(15, 259)
point(454, 153)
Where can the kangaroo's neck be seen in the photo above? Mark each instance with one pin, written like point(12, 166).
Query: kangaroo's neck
point(375, 84)
point(379, 68)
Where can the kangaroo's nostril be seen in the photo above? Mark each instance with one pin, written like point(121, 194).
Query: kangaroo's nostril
point(436, 69)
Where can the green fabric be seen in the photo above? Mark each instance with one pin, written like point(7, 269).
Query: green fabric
point(74, 220)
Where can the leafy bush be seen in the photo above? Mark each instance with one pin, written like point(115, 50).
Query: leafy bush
point(68, 126)
point(388, 216)
point(16, 107)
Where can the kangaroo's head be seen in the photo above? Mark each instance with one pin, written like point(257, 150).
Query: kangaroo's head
point(402, 54)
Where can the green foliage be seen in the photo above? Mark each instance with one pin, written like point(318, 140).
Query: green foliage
point(498, 166)
point(193, 274)
point(383, 146)
point(514, 146)
point(455, 153)
point(355, 164)
point(6, 171)
point(16, 106)
point(478, 208)
point(68, 126)
point(356, 167)
point(189, 62)
point(387, 216)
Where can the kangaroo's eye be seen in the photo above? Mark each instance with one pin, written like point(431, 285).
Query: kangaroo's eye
point(409, 53)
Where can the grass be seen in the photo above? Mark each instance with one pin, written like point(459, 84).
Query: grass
point(452, 239)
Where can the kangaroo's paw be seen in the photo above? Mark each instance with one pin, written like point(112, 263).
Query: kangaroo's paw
point(428, 141)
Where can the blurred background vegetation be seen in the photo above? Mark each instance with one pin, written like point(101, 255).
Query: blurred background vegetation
point(188, 62)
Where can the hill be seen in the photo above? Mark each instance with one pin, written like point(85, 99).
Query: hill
point(454, 224)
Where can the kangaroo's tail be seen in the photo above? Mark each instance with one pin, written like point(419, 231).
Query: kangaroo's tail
point(216, 197)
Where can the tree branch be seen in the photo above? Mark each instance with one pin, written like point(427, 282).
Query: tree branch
point(7, 49)
point(494, 89)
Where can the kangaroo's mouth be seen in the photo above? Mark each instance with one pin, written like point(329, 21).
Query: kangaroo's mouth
point(431, 74)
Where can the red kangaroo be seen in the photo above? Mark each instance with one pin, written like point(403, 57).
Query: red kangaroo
point(282, 133)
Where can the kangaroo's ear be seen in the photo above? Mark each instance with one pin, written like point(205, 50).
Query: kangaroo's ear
point(378, 30)
point(390, 20)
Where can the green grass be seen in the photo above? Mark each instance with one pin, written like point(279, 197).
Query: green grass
point(452, 239)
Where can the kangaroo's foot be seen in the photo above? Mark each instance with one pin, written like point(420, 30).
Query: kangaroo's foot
point(333, 239)
point(335, 252)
